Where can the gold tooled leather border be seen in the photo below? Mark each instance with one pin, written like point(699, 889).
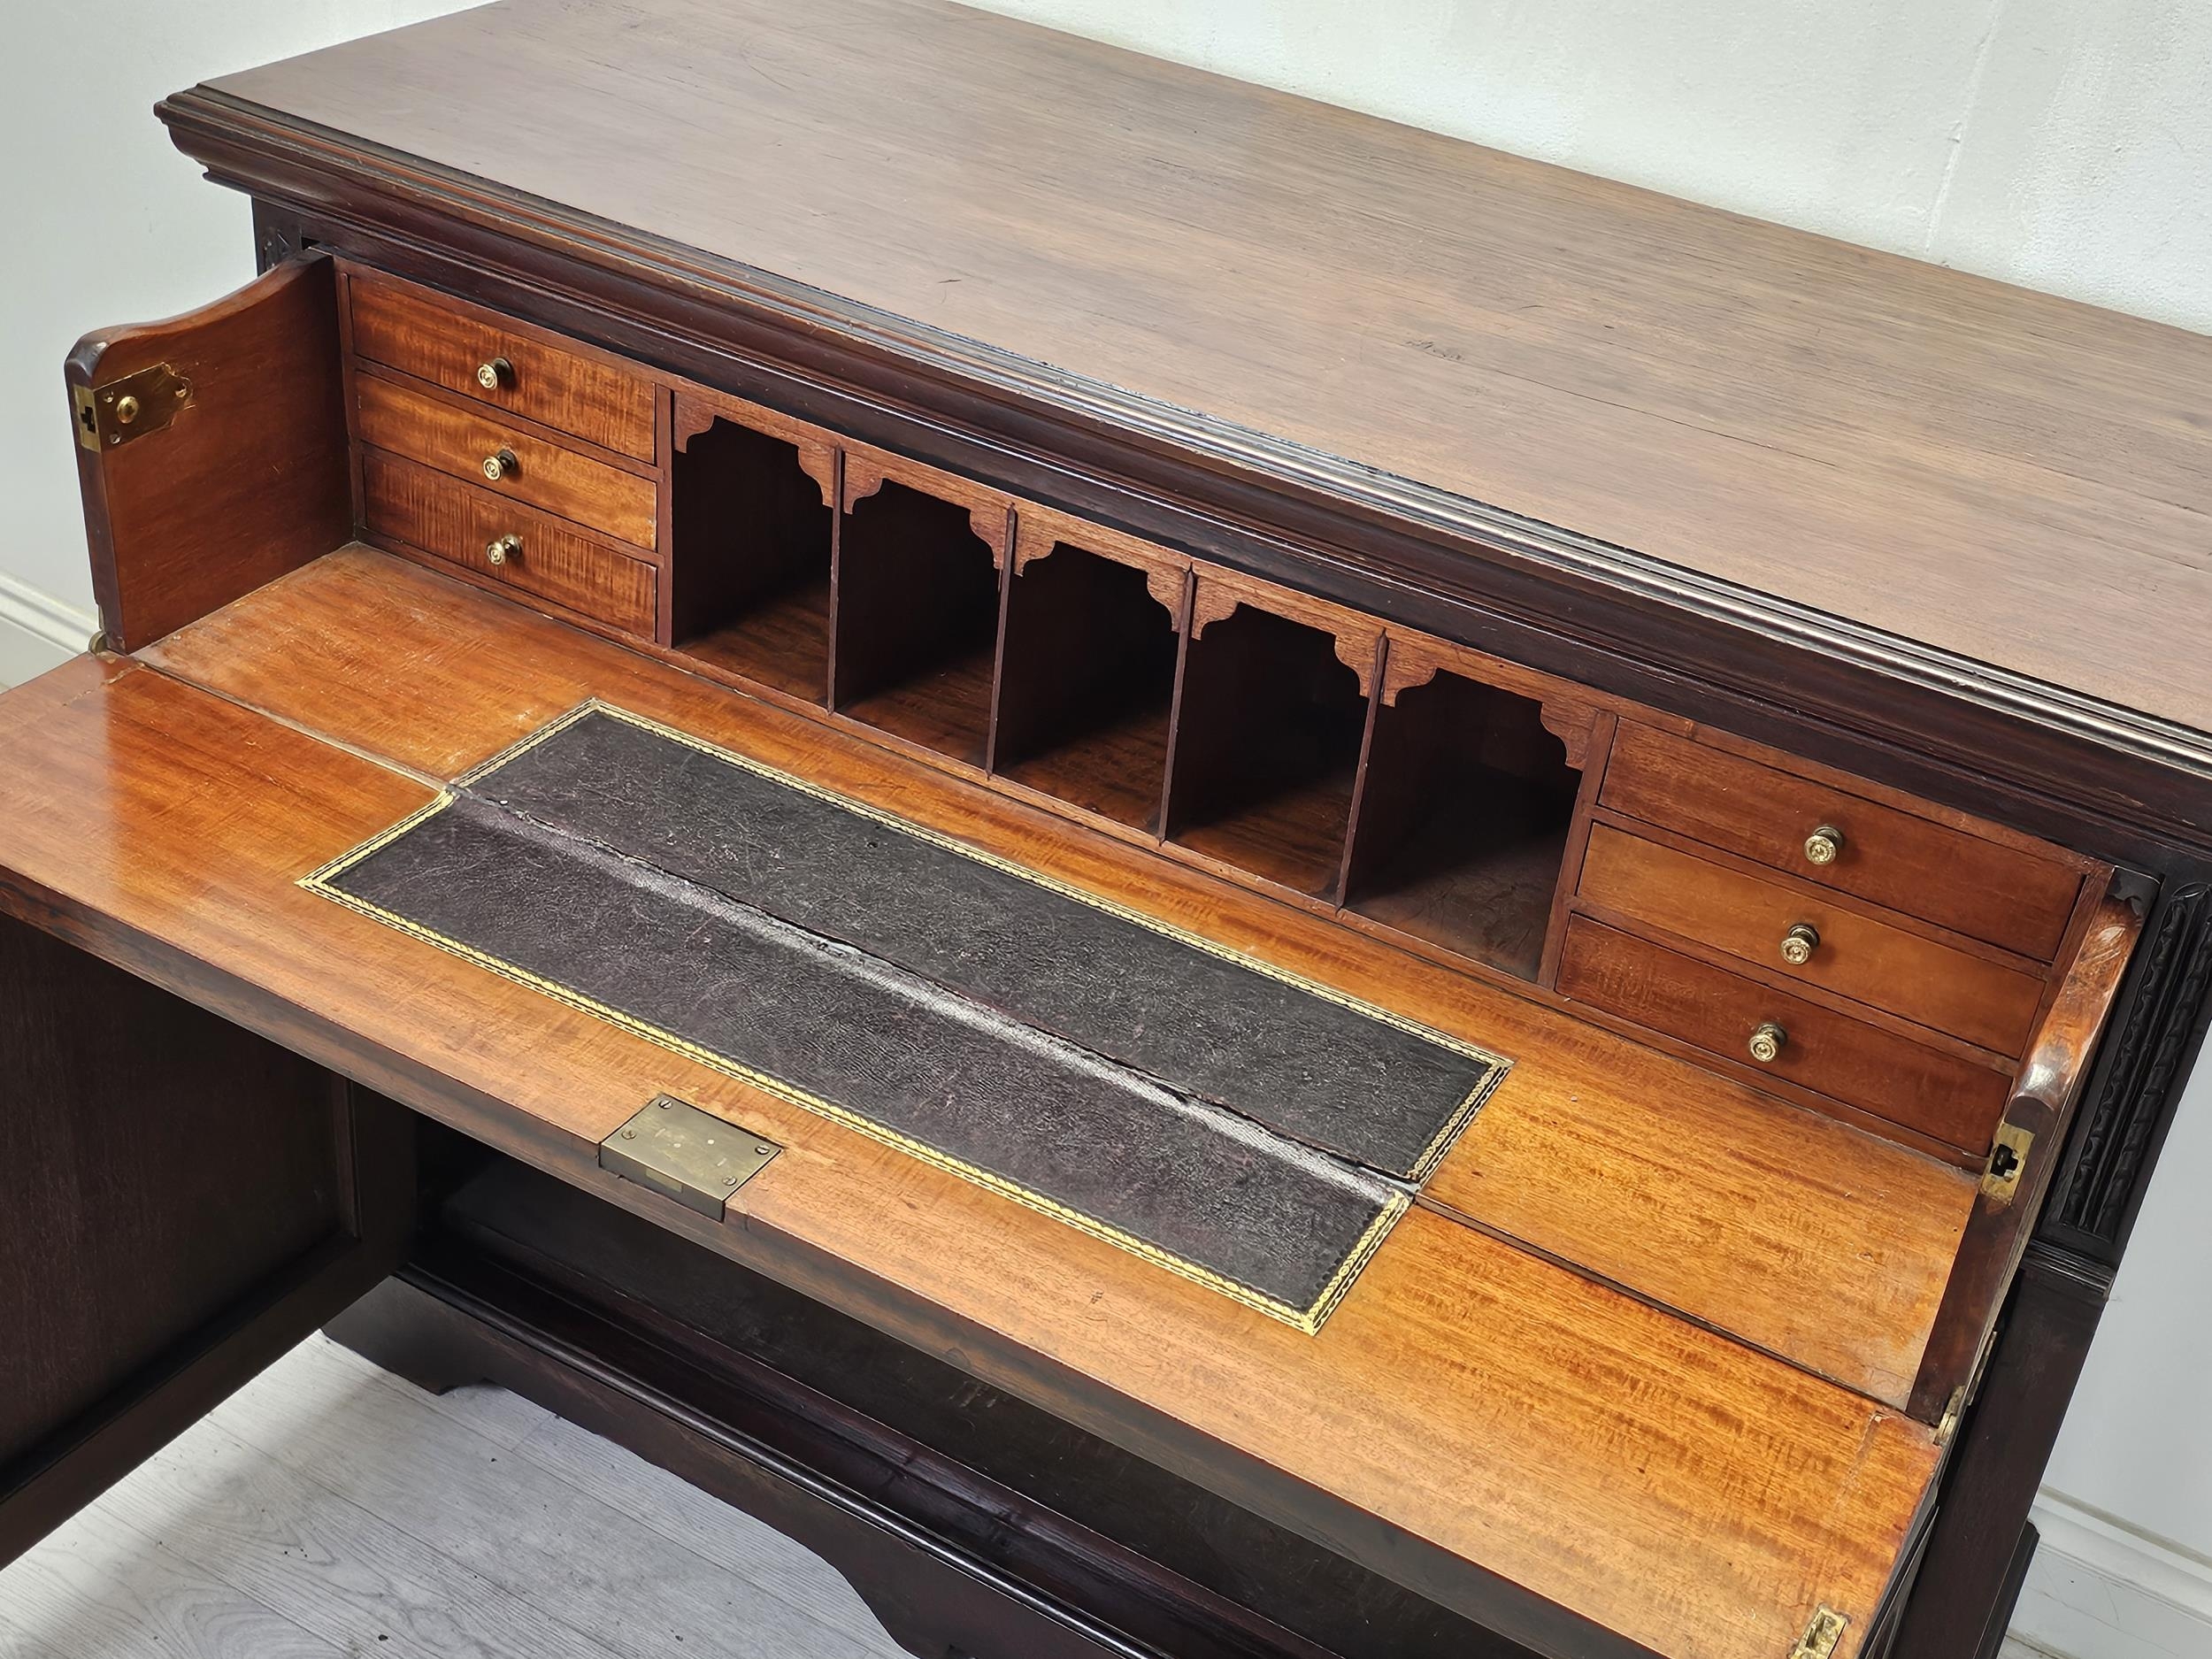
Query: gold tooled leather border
point(1308, 1319)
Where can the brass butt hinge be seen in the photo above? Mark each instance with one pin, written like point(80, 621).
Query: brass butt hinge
point(685, 1154)
point(2006, 1160)
point(110, 416)
point(1954, 1408)
point(1822, 1636)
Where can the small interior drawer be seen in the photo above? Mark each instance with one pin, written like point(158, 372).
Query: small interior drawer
point(537, 553)
point(500, 365)
point(1769, 923)
point(1941, 1095)
point(2004, 895)
point(504, 457)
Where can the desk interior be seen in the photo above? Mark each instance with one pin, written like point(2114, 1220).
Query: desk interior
point(1540, 1337)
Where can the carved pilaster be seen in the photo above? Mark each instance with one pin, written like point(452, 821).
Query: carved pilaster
point(2149, 1051)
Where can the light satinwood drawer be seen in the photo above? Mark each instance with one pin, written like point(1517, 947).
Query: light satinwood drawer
point(1852, 954)
point(460, 522)
point(1938, 1093)
point(2001, 894)
point(459, 441)
point(500, 365)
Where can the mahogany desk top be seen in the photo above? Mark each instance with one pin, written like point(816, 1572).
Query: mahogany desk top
point(1668, 392)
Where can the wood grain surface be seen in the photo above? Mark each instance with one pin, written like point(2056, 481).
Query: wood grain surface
point(1931, 1089)
point(1859, 955)
point(455, 437)
point(2013, 478)
point(2044, 1099)
point(129, 1126)
point(458, 521)
point(2015, 898)
point(560, 384)
point(1467, 1395)
point(248, 480)
point(1597, 1149)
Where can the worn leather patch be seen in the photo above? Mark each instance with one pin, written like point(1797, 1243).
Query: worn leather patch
point(1229, 1122)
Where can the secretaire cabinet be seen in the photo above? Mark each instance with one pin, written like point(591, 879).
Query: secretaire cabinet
point(1205, 878)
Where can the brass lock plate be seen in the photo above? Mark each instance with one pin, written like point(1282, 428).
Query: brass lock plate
point(110, 416)
point(689, 1155)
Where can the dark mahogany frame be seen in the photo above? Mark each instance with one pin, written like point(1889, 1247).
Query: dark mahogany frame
point(2108, 782)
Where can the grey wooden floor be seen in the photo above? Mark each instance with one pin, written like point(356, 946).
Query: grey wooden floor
point(329, 1509)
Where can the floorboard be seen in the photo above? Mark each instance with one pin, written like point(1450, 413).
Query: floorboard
point(329, 1509)
point(98, 1589)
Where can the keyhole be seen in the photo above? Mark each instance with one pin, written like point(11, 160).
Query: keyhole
point(2003, 1162)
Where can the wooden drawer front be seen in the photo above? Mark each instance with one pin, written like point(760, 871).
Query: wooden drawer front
point(2004, 895)
point(457, 441)
point(577, 394)
point(1905, 1082)
point(1858, 956)
point(458, 521)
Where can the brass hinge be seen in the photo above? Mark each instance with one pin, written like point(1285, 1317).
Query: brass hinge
point(2006, 1160)
point(110, 416)
point(1954, 1408)
point(689, 1155)
point(1822, 1636)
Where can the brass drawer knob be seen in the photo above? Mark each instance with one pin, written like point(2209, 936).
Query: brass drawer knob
point(1825, 845)
point(500, 466)
point(1799, 943)
point(493, 375)
point(1768, 1042)
point(506, 550)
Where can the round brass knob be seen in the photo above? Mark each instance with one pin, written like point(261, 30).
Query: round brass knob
point(126, 409)
point(506, 548)
point(1799, 943)
point(1767, 1043)
point(1825, 845)
point(493, 375)
point(500, 466)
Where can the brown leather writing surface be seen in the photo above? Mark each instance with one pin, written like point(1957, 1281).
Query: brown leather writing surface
point(1206, 1114)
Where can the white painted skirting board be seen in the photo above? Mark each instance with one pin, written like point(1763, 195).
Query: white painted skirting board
point(37, 631)
point(2101, 1590)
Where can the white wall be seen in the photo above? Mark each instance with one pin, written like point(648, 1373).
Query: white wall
point(2062, 145)
point(105, 223)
